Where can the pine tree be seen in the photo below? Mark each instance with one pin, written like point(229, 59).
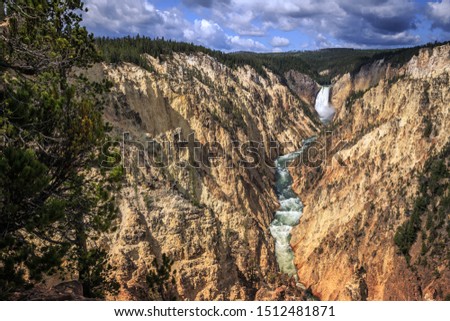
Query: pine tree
point(51, 126)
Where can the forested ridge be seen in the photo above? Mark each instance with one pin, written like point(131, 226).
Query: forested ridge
point(322, 65)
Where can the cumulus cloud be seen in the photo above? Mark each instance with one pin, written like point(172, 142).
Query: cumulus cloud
point(245, 43)
point(207, 33)
point(233, 24)
point(322, 42)
point(240, 22)
point(119, 18)
point(279, 42)
point(362, 23)
point(439, 13)
point(203, 3)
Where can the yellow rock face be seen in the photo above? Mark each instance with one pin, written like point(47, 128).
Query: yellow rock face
point(212, 221)
point(344, 245)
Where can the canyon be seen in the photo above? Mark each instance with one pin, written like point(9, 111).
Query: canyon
point(357, 198)
point(214, 219)
point(145, 169)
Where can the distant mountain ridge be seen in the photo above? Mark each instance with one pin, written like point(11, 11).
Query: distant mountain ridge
point(336, 61)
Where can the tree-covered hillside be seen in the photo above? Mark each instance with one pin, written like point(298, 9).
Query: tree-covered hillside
point(322, 65)
point(130, 49)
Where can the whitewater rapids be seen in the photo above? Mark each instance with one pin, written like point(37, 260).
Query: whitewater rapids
point(289, 213)
point(291, 208)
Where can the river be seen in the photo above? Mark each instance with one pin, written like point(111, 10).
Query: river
point(291, 207)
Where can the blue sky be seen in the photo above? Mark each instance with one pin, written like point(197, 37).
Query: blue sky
point(275, 25)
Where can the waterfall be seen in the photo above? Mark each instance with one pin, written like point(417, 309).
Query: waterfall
point(291, 208)
point(323, 107)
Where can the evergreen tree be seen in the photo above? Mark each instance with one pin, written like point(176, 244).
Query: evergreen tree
point(51, 125)
point(161, 280)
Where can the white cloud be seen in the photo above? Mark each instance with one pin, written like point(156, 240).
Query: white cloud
point(245, 43)
point(240, 22)
point(210, 34)
point(366, 23)
point(377, 22)
point(207, 33)
point(279, 42)
point(120, 18)
point(439, 13)
point(322, 42)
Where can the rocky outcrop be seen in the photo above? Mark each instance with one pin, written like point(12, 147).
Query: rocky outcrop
point(64, 291)
point(303, 86)
point(356, 199)
point(210, 216)
point(368, 76)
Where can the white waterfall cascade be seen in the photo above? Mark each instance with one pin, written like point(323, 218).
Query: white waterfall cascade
point(323, 107)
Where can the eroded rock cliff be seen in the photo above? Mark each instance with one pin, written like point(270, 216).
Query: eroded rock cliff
point(389, 122)
point(212, 218)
